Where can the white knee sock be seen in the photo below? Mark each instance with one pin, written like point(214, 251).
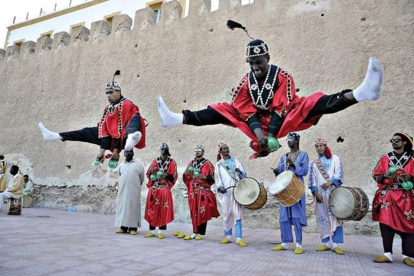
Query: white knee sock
point(388, 255)
point(168, 118)
point(193, 235)
point(298, 245)
point(132, 140)
point(159, 231)
point(285, 245)
point(370, 88)
point(47, 134)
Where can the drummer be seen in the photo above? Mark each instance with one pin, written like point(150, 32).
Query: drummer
point(325, 174)
point(298, 162)
point(227, 172)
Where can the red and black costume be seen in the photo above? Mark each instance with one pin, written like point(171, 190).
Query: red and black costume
point(271, 104)
point(159, 209)
point(117, 121)
point(201, 200)
point(393, 206)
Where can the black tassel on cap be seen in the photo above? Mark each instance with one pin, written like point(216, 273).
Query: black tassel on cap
point(233, 25)
point(236, 25)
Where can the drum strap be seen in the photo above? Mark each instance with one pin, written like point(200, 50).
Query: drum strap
point(322, 169)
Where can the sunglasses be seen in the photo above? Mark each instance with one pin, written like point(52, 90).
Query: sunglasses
point(395, 140)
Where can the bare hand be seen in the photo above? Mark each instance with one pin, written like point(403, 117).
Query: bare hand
point(326, 185)
point(238, 170)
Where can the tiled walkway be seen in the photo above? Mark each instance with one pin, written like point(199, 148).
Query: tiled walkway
point(50, 242)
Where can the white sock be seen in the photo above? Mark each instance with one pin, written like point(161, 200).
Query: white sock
point(168, 118)
point(238, 239)
point(334, 245)
point(388, 255)
point(229, 237)
point(47, 134)
point(298, 245)
point(153, 231)
point(193, 235)
point(159, 231)
point(370, 88)
point(285, 245)
point(328, 244)
point(132, 140)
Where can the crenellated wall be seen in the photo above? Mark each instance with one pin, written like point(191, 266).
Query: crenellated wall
point(194, 61)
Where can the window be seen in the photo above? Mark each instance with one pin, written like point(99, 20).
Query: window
point(74, 26)
point(47, 34)
point(110, 17)
point(18, 42)
point(156, 6)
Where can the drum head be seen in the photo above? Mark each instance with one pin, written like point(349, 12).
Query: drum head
point(342, 202)
point(282, 181)
point(246, 191)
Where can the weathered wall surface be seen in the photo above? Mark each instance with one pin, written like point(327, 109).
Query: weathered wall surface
point(195, 61)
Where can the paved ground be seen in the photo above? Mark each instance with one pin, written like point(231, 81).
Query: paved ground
point(50, 242)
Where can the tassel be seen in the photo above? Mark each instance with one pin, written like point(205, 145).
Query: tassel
point(233, 25)
point(328, 153)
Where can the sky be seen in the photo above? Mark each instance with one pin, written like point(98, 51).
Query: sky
point(20, 8)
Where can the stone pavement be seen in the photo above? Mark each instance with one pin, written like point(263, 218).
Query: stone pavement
point(51, 242)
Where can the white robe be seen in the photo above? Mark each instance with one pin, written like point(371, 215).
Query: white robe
point(128, 201)
point(327, 221)
point(231, 210)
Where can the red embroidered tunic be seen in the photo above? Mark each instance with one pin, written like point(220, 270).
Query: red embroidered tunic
point(393, 205)
point(159, 209)
point(201, 200)
point(115, 119)
point(285, 102)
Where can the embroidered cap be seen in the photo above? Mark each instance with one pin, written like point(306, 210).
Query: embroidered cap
point(256, 48)
point(293, 135)
point(199, 148)
point(220, 145)
point(165, 148)
point(320, 141)
point(113, 85)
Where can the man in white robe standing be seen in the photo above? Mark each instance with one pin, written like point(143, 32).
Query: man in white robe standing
point(128, 202)
point(228, 171)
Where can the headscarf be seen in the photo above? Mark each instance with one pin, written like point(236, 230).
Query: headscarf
point(199, 147)
point(328, 153)
point(220, 145)
point(294, 135)
point(165, 147)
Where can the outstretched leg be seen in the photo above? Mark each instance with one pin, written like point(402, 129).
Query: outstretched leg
point(132, 140)
point(168, 118)
point(47, 134)
point(370, 88)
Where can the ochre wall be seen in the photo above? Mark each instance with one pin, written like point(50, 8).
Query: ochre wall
point(195, 61)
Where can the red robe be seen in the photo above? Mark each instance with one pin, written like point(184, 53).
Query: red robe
point(159, 209)
point(394, 206)
point(285, 102)
point(201, 200)
point(114, 123)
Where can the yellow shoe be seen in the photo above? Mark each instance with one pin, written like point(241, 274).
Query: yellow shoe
point(323, 247)
point(278, 248)
point(149, 235)
point(198, 237)
point(132, 232)
point(241, 243)
point(408, 261)
point(224, 241)
point(187, 238)
point(298, 250)
point(382, 259)
point(176, 232)
point(180, 235)
point(160, 236)
point(338, 250)
point(120, 231)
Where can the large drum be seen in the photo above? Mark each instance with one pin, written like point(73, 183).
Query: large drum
point(14, 206)
point(250, 193)
point(287, 188)
point(349, 203)
point(27, 201)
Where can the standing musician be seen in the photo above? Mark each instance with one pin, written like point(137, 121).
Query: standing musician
point(199, 177)
point(325, 174)
point(121, 126)
point(3, 174)
point(228, 171)
point(264, 103)
point(162, 175)
point(298, 162)
point(393, 204)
